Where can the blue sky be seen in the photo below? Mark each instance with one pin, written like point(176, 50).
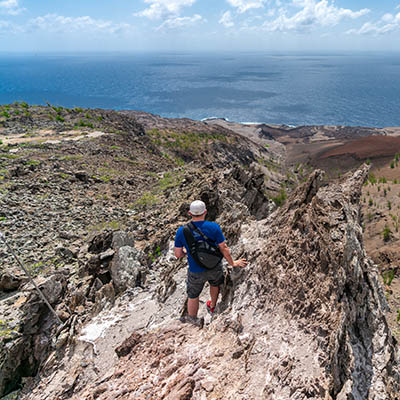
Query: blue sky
point(187, 25)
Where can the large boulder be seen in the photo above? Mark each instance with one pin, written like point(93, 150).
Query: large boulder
point(127, 269)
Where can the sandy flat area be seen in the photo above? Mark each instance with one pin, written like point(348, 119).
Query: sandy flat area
point(49, 136)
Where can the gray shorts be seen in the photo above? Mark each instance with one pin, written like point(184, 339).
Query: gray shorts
point(195, 281)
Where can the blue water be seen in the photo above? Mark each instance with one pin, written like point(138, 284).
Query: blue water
point(295, 89)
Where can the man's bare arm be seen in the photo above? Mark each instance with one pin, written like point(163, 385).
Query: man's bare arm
point(227, 254)
point(179, 252)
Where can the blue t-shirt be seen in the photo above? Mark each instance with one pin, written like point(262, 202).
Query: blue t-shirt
point(211, 229)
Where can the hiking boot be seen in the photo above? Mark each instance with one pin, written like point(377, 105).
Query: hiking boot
point(209, 308)
point(192, 320)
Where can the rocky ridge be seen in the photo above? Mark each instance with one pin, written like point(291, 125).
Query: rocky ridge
point(304, 320)
point(57, 198)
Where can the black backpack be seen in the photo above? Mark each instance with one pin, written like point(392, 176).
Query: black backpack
point(205, 254)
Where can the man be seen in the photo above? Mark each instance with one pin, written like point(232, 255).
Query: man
point(197, 275)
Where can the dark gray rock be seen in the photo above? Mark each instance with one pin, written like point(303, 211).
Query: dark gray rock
point(127, 269)
point(121, 238)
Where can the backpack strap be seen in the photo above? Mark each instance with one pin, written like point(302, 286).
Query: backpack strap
point(195, 228)
point(191, 241)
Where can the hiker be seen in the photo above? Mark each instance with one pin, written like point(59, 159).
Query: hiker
point(197, 275)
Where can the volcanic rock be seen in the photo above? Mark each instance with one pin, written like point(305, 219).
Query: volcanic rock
point(304, 320)
point(126, 268)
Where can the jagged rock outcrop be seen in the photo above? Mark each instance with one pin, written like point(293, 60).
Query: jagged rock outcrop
point(313, 277)
point(25, 341)
point(305, 319)
point(112, 266)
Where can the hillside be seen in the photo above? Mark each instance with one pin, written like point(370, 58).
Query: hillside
point(90, 201)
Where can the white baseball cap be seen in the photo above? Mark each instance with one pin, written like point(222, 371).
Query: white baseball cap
point(197, 207)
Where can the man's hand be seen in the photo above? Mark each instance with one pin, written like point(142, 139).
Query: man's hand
point(240, 263)
point(180, 252)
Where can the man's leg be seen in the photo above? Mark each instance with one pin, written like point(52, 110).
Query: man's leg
point(214, 292)
point(193, 306)
point(216, 279)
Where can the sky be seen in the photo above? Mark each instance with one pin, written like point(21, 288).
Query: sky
point(199, 25)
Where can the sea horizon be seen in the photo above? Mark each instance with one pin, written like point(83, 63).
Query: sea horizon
point(291, 88)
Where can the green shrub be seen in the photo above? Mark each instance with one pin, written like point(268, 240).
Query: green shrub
point(36, 269)
point(389, 205)
point(382, 179)
point(387, 234)
point(33, 162)
point(392, 164)
point(169, 180)
point(281, 198)
point(59, 118)
point(9, 156)
point(370, 202)
point(57, 109)
point(147, 199)
point(388, 277)
point(372, 178)
point(5, 114)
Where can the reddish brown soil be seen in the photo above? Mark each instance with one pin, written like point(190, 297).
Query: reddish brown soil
point(367, 147)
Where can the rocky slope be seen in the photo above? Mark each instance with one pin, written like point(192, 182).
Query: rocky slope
point(57, 198)
point(304, 320)
point(94, 220)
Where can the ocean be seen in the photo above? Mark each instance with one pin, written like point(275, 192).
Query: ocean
point(359, 89)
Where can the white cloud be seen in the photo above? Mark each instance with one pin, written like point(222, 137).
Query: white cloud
point(59, 23)
point(164, 8)
point(313, 14)
point(180, 22)
point(388, 23)
point(387, 18)
point(6, 27)
point(10, 7)
point(244, 5)
point(226, 20)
